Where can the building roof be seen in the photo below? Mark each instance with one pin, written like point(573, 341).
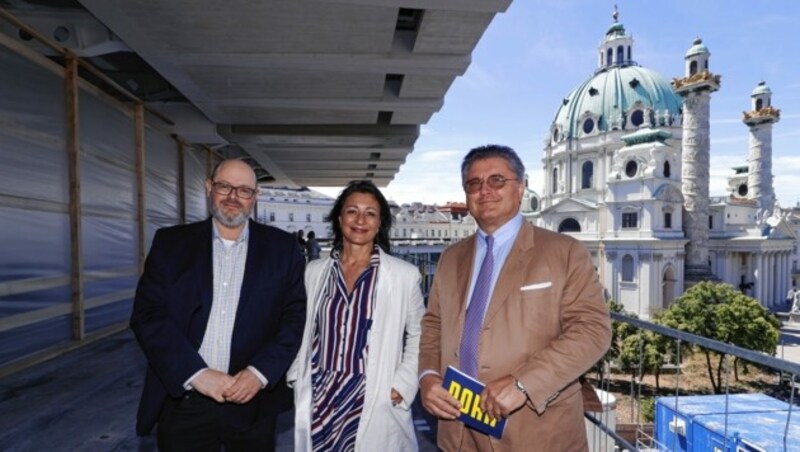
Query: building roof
point(314, 93)
point(611, 93)
point(697, 48)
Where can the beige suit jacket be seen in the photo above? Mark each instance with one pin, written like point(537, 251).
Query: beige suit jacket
point(546, 324)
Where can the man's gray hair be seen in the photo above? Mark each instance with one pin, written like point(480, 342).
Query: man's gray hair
point(489, 151)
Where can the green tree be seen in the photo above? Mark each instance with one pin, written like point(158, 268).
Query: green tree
point(718, 311)
point(619, 331)
point(642, 352)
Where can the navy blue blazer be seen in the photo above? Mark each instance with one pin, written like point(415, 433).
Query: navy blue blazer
point(173, 302)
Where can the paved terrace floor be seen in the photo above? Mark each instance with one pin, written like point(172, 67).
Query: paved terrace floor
point(86, 401)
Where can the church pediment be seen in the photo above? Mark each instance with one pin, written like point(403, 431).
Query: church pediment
point(780, 229)
point(668, 193)
point(570, 205)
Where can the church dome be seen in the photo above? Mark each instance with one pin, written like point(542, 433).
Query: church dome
point(762, 88)
point(616, 97)
point(697, 48)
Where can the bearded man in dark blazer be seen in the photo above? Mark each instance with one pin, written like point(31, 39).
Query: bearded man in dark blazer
point(219, 313)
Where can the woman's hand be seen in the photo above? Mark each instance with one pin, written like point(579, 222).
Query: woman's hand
point(397, 399)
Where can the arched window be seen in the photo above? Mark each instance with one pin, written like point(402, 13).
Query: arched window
point(631, 168)
point(620, 54)
point(555, 180)
point(587, 174)
point(555, 135)
point(693, 68)
point(667, 171)
point(629, 53)
point(627, 268)
point(759, 104)
point(637, 118)
point(609, 56)
point(569, 225)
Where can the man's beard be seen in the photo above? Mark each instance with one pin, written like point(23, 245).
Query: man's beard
point(229, 221)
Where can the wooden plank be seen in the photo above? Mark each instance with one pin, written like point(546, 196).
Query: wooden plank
point(73, 150)
point(27, 318)
point(141, 218)
point(181, 180)
point(25, 285)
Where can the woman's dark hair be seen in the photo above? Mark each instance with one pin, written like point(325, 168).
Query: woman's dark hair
point(366, 187)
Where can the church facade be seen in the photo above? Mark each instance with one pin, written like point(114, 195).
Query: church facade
point(626, 167)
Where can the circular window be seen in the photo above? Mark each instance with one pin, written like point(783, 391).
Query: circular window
point(534, 204)
point(742, 190)
point(630, 168)
point(588, 125)
point(637, 118)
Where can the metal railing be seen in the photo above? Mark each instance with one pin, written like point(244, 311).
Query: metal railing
point(786, 377)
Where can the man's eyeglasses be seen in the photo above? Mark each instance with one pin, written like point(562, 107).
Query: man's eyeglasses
point(243, 192)
point(495, 182)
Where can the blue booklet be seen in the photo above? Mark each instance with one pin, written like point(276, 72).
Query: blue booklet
point(467, 390)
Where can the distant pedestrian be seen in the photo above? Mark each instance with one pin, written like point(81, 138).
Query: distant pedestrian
point(312, 246)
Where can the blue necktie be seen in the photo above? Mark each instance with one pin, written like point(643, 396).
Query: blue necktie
point(473, 322)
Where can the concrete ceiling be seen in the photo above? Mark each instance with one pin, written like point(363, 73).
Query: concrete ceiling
point(316, 92)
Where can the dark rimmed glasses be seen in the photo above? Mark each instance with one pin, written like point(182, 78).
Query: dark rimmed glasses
point(495, 182)
point(244, 192)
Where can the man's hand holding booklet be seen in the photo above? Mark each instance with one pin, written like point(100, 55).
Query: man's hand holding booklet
point(467, 390)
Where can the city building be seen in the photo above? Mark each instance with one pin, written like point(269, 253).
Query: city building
point(428, 223)
point(294, 209)
point(626, 166)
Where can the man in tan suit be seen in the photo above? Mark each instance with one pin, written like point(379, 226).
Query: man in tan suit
point(542, 324)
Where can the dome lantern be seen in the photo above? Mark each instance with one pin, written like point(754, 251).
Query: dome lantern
point(616, 47)
point(696, 58)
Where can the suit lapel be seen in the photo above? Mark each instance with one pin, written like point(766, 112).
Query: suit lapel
point(204, 273)
point(252, 266)
point(511, 275)
point(464, 261)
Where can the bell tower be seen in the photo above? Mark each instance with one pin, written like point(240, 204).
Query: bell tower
point(695, 88)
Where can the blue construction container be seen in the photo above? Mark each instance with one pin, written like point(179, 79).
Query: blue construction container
point(747, 432)
point(675, 416)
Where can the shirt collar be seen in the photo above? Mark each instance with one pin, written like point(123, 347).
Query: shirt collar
point(242, 237)
point(374, 260)
point(506, 232)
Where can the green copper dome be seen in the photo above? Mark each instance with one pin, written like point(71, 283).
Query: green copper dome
point(697, 48)
point(762, 88)
point(610, 94)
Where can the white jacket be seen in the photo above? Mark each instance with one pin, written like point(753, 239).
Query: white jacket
point(391, 359)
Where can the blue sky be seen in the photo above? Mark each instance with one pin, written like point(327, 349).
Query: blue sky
point(536, 52)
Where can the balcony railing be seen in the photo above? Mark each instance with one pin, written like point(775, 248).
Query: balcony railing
point(779, 377)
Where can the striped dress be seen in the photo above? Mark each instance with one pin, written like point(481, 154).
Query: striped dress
point(339, 357)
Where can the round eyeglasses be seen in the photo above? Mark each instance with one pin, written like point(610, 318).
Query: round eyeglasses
point(495, 182)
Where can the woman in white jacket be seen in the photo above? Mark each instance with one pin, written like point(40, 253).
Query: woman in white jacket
point(355, 376)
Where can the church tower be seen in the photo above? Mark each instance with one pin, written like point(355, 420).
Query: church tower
point(695, 88)
point(759, 177)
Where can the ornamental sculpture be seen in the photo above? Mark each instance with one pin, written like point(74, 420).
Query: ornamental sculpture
point(766, 113)
point(700, 77)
